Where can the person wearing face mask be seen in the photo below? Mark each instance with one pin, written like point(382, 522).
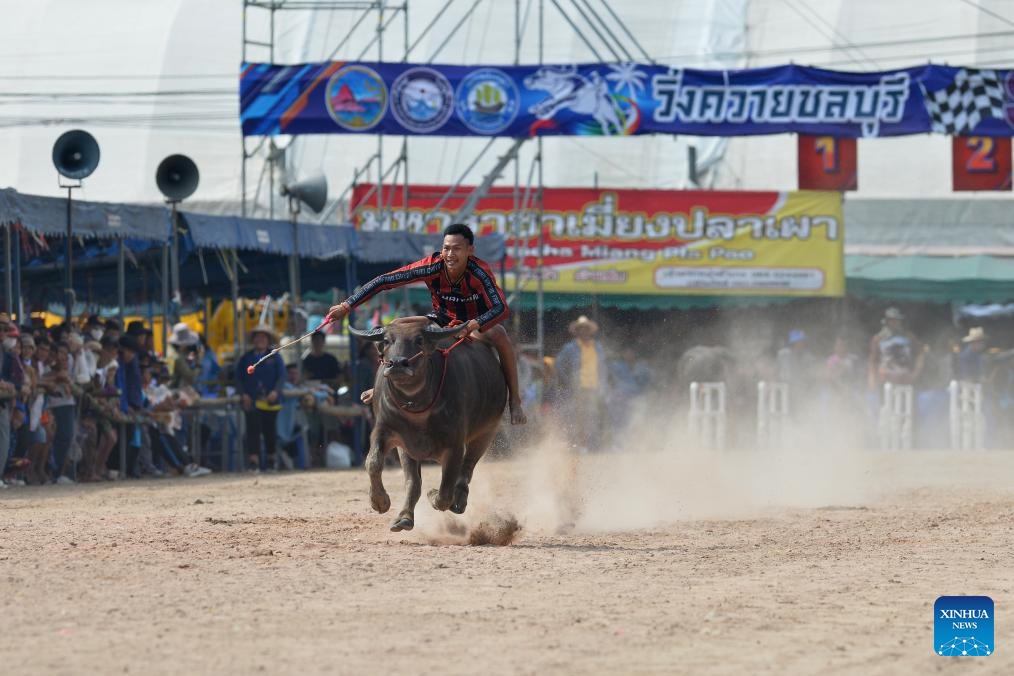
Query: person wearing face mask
point(94, 328)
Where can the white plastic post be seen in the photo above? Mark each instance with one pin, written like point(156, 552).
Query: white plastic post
point(968, 421)
point(896, 417)
point(772, 413)
point(707, 414)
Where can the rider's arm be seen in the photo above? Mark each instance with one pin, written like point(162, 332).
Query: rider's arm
point(413, 272)
point(491, 291)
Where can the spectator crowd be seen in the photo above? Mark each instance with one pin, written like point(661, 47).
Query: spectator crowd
point(92, 401)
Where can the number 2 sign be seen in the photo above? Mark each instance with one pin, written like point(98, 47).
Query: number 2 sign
point(827, 163)
point(981, 163)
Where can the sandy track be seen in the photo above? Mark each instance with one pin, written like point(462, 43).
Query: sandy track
point(664, 565)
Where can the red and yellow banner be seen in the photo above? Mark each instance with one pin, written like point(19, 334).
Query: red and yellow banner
point(601, 241)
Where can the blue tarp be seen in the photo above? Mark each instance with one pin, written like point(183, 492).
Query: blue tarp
point(395, 247)
point(48, 216)
point(321, 242)
point(233, 232)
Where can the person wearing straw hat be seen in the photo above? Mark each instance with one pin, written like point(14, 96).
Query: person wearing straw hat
point(975, 363)
point(183, 366)
point(582, 377)
point(464, 291)
point(261, 394)
point(896, 356)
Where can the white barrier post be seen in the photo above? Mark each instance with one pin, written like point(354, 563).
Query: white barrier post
point(896, 417)
point(968, 422)
point(772, 413)
point(707, 414)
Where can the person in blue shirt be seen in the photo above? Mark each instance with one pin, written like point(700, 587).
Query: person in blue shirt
point(261, 395)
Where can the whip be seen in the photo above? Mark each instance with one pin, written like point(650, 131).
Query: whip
point(253, 367)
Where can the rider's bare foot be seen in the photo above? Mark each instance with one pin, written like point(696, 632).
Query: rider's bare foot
point(367, 396)
point(518, 416)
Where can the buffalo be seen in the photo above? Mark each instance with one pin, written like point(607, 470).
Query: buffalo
point(432, 400)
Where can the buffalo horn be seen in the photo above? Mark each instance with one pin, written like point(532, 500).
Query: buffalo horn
point(375, 334)
point(436, 333)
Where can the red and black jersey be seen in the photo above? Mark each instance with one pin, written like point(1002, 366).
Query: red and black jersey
point(474, 296)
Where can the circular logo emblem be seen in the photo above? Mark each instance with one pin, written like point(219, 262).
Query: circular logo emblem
point(356, 98)
point(421, 99)
point(487, 101)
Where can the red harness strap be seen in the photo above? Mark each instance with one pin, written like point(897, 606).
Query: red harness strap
point(446, 352)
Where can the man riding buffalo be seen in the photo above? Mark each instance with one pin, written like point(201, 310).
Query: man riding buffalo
point(464, 291)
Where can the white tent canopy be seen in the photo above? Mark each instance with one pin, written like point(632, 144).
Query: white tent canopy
point(149, 79)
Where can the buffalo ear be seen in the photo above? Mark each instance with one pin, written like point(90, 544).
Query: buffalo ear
point(376, 334)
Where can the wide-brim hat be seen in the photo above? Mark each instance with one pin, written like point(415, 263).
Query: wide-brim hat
point(975, 333)
point(129, 342)
point(584, 322)
point(893, 313)
point(266, 330)
point(137, 328)
point(184, 336)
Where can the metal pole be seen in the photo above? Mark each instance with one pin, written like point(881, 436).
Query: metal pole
point(165, 294)
point(540, 300)
point(18, 301)
point(350, 285)
point(237, 337)
point(68, 273)
point(517, 31)
point(294, 280)
point(7, 269)
point(174, 253)
point(380, 137)
point(121, 279)
point(540, 297)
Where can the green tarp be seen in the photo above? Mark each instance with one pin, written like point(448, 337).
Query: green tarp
point(975, 279)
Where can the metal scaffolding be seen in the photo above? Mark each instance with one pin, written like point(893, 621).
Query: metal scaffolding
point(594, 22)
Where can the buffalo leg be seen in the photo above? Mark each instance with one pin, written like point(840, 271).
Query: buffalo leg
point(476, 449)
point(441, 499)
point(413, 488)
point(379, 498)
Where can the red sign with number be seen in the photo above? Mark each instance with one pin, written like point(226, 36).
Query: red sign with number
point(827, 163)
point(981, 163)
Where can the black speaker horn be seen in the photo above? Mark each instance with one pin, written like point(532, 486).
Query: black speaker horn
point(76, 154)
point(177, 177)
point(312, 192)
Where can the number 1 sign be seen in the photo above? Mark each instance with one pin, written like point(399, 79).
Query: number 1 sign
point(980, 163)
point(827, 163)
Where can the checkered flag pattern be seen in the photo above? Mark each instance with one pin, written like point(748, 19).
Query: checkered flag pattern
point(959, 107)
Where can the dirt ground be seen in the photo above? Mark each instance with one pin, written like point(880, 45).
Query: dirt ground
point(735, 563)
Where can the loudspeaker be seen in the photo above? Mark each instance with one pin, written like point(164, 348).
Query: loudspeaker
point(312, 192)
point(177, 177)
point(76, 154)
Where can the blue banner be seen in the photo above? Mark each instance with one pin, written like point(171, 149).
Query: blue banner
point(604, 99)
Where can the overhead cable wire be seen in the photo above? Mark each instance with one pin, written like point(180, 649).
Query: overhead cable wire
point(596, 30)
point(598, 57)
point(989, 12)
point(819, 29)
point(630, 36)
point(605, 26)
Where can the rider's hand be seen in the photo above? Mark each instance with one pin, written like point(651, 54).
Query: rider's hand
point(338, 312)
point(470, 325)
